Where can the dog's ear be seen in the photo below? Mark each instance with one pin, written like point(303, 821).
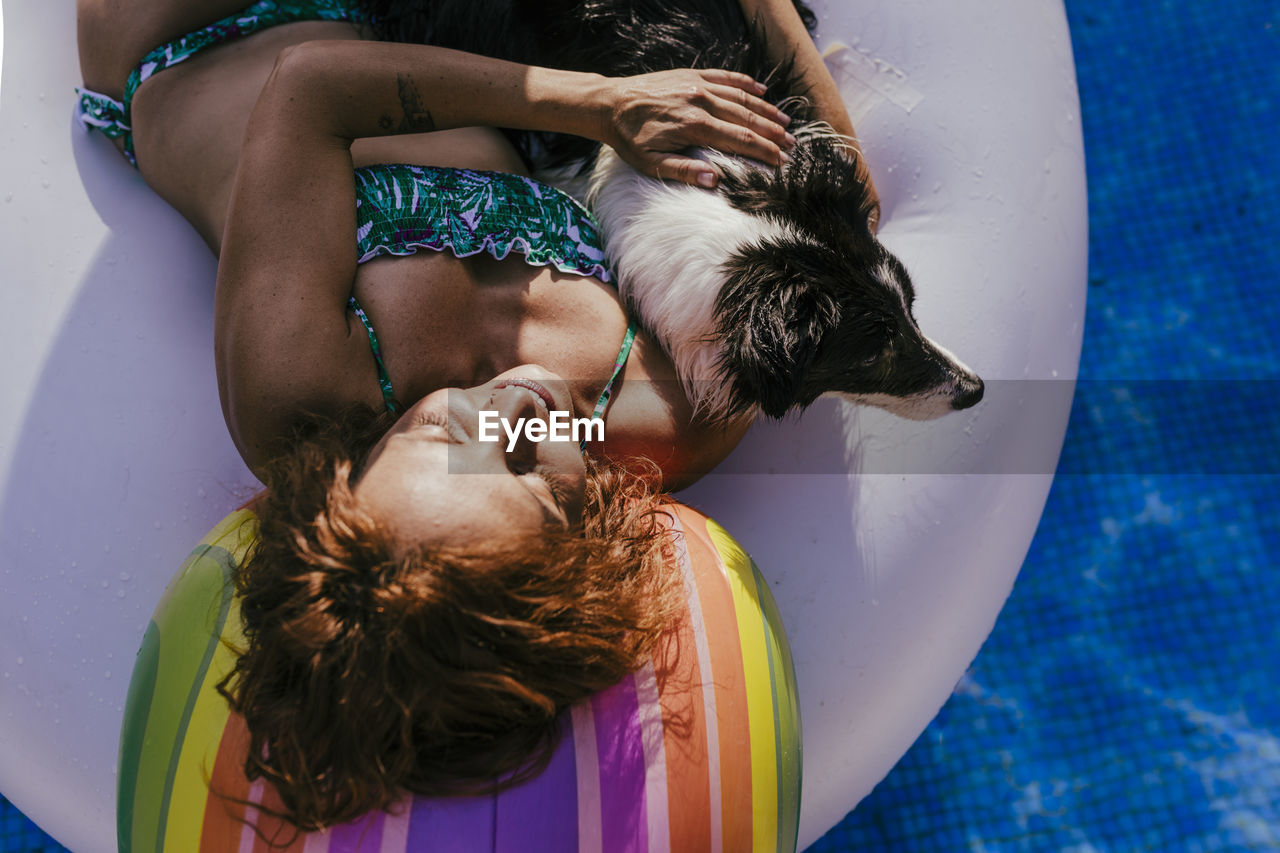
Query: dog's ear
point(770, 332)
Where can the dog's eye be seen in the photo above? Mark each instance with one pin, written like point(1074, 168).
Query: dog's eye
point(870, 360)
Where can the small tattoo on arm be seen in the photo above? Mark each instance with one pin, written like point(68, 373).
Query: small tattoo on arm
point(417, 118)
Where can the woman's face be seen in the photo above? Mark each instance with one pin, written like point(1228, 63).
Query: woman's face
point(433, 482)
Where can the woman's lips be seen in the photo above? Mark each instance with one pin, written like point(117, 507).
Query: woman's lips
point(537, 388)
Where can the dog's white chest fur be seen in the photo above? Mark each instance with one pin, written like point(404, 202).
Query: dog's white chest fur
point(668, 244)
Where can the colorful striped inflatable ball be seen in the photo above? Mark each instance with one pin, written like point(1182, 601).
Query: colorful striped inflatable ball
point(706, 758)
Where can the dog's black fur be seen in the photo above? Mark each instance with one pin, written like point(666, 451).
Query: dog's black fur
point(617, 39)
point(825, 309)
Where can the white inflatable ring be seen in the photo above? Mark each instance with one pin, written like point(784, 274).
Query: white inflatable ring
point(890, 546)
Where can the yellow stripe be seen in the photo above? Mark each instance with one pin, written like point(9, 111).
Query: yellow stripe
point(200, 748)
point(191, 601)
point(788, 710)
point(209, 715)
point(759, 689)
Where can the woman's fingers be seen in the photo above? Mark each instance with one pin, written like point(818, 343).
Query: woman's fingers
point(734, 138)
point(656, 115)
point(747, 101)
point(674, 167)
point(758, 116)
point(732, 78)
point(741, 122)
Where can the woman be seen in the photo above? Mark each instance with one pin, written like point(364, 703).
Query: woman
point(421, 604)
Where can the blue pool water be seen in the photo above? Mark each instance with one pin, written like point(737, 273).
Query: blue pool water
point(1129, 698)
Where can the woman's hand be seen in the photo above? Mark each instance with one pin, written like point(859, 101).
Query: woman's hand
point(652, 118)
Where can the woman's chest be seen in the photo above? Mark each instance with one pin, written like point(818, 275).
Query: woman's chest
point(441, 321)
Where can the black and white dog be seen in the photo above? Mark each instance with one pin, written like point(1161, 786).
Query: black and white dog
point(769, 290)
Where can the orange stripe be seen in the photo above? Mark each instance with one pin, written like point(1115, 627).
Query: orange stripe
point(684, 735)
point(733, 724)
point(274, 829)
point(223, 818)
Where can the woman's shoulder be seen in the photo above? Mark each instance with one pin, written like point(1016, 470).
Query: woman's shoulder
point(651, 417)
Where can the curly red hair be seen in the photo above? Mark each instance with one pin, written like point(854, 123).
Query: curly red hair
point(370, 671)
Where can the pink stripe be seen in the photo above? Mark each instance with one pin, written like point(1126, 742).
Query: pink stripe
point(247, 834)
point(699, 629)
point(317, 842)
point(395, 828)
point(622, 772)
point(587, 767)
point(362, 835)
point(655, 759)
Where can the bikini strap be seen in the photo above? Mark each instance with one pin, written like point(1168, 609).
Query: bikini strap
point(388, 394)
point(603, 402)
point(99, 112)
point(384, 378)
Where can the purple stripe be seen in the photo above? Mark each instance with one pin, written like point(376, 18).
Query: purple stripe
point(362, 835)
point(541, 816)
point(623, 809)
point(452, 825)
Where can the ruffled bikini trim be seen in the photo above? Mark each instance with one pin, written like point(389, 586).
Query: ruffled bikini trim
point(401, 209)
point(498, 251)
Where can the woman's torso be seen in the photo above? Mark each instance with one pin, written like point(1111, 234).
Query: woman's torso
point(441, 321)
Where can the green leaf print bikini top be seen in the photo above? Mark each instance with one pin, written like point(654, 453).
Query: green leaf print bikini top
point(401, 209)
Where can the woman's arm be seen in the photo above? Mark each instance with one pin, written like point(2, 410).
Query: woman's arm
point(789, 38)
point(283, 341)
point(375, 89)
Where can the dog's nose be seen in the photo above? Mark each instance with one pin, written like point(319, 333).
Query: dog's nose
point(968, 393)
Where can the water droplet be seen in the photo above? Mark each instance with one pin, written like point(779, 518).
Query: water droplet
point(124, 576)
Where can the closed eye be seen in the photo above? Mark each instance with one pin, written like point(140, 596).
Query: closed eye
point(557, 489)
point(541, 482)
point(549, 494)
point(537, 480)
point(441, 419)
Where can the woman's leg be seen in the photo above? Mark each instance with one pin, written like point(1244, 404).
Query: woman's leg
point(188, 119)
point(114, 35)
